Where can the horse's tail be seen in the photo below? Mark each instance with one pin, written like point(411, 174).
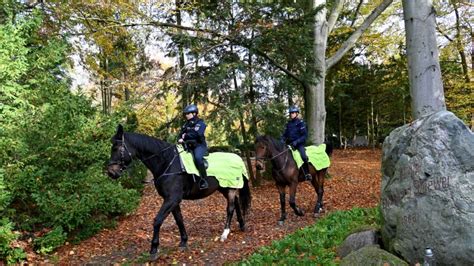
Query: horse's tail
point(329, 148)
point(245, 198)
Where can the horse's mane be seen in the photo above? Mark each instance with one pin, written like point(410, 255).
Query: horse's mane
point(279, 146)
point(145, 142)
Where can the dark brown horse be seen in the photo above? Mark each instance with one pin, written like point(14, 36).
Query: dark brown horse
point(172, 183)
point(286, 173)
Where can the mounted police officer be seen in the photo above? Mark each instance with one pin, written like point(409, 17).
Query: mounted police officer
point(192, 134)
point(295, 135)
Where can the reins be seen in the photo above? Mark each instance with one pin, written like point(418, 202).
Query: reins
point(123, 166)
point(169, 165)
point(153, 155)
point(263, 158)
point(286, 158)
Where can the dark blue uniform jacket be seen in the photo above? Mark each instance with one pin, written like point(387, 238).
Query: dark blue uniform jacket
point(295, 132)
point(194, 129)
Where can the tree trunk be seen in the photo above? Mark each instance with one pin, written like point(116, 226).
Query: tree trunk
point(254, 129)
point(252, 96)
point(108, 87)
point(255, 181)
point(368, 128)
point(426, 86)
point(289, 88)
point(126, 90)
point(472, 50)
point(340, 121)
point(459, 45)
point(372, 121)
point(314, 93)
point(181, 62)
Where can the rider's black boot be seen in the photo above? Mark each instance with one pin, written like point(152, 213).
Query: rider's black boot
point(306, 173)
point(203, 175)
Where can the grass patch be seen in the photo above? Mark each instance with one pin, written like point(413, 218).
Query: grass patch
point(316, 244)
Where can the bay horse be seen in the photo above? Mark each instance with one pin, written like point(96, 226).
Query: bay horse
point(286, 173)
point(172, 183)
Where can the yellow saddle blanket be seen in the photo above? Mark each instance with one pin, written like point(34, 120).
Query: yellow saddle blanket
point(317, 156)
point(228, 168)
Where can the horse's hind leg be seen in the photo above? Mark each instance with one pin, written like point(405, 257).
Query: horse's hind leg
point(178, 217)
point(295, 208)
point(238, 211)
point(230, 195)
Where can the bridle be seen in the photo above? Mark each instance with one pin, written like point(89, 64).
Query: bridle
point(274, 157)
point(123, 148)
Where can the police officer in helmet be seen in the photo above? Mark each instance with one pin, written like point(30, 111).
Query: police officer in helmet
point(192, 133)
point(295, 135)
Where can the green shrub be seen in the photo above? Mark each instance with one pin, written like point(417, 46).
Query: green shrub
point(53, 143)
point(50, 241)
point(133, 179)
point(5, 196)
point(315, 244)
point(8, 253)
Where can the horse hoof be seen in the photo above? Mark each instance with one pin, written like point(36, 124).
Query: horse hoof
point(300, 213)
point(319, 210)
point(225, 234)
point(280, 223)
point(316, 215)
point(183, 249)
point(153, 256)
point(243, 228)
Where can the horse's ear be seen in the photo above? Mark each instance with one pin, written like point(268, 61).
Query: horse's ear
point(119, 133)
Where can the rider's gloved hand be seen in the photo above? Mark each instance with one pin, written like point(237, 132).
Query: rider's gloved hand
point(180, 141)
point(293, 145)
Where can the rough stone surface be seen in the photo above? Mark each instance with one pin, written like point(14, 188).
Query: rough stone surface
point(371, 255)
point(356, 241)
point(428, 190)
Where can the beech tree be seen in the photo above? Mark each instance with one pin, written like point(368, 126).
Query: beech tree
point(315, 91)
point(426, 86)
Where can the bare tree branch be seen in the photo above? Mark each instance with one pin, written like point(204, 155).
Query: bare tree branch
point(350, 42)
point(213, 34)
point(443, 33)
point(335, 14)
point(354, 18)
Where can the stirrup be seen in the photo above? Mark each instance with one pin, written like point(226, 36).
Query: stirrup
point(308, 177)
point(203, 184)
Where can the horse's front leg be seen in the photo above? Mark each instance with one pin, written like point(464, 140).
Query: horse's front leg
point(319, 187)
point(230, 211)
point(295, 208)
point(178, 217)
point(281, 190)
point(167, 206)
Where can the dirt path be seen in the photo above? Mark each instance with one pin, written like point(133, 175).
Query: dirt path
point(355, 182)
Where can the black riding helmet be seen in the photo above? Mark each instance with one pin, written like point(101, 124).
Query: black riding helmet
point(293, 109)
point(192, 108)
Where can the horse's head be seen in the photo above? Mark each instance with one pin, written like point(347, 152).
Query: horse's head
point(261, 151)
point(120, 156)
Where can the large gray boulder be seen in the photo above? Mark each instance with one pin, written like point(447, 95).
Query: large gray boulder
point(373, 256)
point(357, 241)
point(428, 190)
